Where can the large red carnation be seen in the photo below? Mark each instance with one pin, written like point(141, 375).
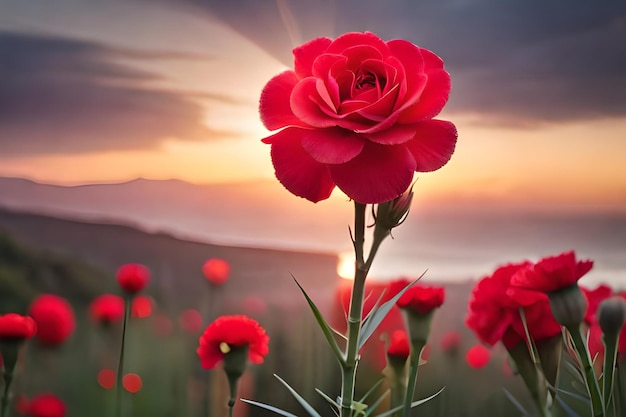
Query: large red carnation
point(15, 327)
point(357, 113)
point(54, 317)
point(494, 316)
point(234, 331)
point(552, 273)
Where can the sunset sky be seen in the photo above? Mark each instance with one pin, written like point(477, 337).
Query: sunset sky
point(95, 91)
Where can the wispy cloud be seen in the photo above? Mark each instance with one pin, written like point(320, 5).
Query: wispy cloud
point(512, 62)
point(60, 95)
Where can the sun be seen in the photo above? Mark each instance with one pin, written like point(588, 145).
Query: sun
point(345, 265)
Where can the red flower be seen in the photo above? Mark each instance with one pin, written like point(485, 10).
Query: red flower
point(399, 345)
point(141, 307)
point(133, 277)
point(46, 405)
point(216, 271)
point(421, 299)
point(477, 356)
point(54, 317)
point(190, 320)
point(358, 114)
point(594, 298)
point(107, 309)
point(494, 316)
point(552, 273)
point(106, 378)
point(132, 383)
point(232, 331)
point(15, 327)
point(450, 341)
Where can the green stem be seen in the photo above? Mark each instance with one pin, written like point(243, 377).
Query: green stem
point(416, 352)
point(608, 371)
point(232, 385)
point(120, 366)
point(590, 377)
point(8, 378)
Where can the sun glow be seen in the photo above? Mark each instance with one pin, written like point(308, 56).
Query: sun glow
point(345, 265)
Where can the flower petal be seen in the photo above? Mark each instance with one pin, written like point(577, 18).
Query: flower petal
point(348, 40)
point(296, 170)
point(332, 146)
point(435, 94)
point(274, 103)
point(379, 173)
point(395, 135)
point(433, 144)
point(414, 67)
point(305, 54)
point(305, 103)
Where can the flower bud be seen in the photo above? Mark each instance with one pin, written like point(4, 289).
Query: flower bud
point(394, 212)
point(568, 305)
point(611, 315)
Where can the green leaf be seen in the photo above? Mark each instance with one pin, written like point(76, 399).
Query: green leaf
point(327, 398)
point(376, 403)
point(514, 401)
point(371, 390)
point(413, 404)
point(566, 408)
point(378, 314)
point(326, 329)
point(574, 395)
point(299, 398)
point(270, 408)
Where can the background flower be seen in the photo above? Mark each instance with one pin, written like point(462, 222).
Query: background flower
point(107, 309)
point(422, 299)
point(133, 277)
point(234, 331)
point(15, 327)
point(357, 113)
point(54, 317)
point(216, 271)
point(552, 273)
point(399, 345)
point(477, 356)
point(46, 405)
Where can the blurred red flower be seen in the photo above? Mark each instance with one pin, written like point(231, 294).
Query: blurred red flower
point(216, 271)
point(477, 356)
point(15, 327)
point(422, 299)
point(21, 404)
point(54, 317)
point(552, 273)
point(450, 341)
point(107, 309)
point(141, 307)
point(106, 378)
point(132, 383)
point(190, 320)
point(594, 298)
point(46, 405)
point(133, 278)
point(232, 331)
point(399, 345)
point(494, 316)
point(162, 325)
point(357, 113)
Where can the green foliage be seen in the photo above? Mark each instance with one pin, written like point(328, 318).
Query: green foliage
point(25, 273)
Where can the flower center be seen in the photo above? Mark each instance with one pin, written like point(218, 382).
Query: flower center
point(224, 348)
point(367, 80)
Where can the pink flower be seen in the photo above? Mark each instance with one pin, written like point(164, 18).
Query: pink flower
point(357, 113)
point(54, 317)
point(133, 278)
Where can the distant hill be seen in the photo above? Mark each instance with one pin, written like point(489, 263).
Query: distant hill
point(176, 264)
point(27, 272)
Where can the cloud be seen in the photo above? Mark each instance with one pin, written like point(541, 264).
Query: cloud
point(512, 62)
point(61, 95)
